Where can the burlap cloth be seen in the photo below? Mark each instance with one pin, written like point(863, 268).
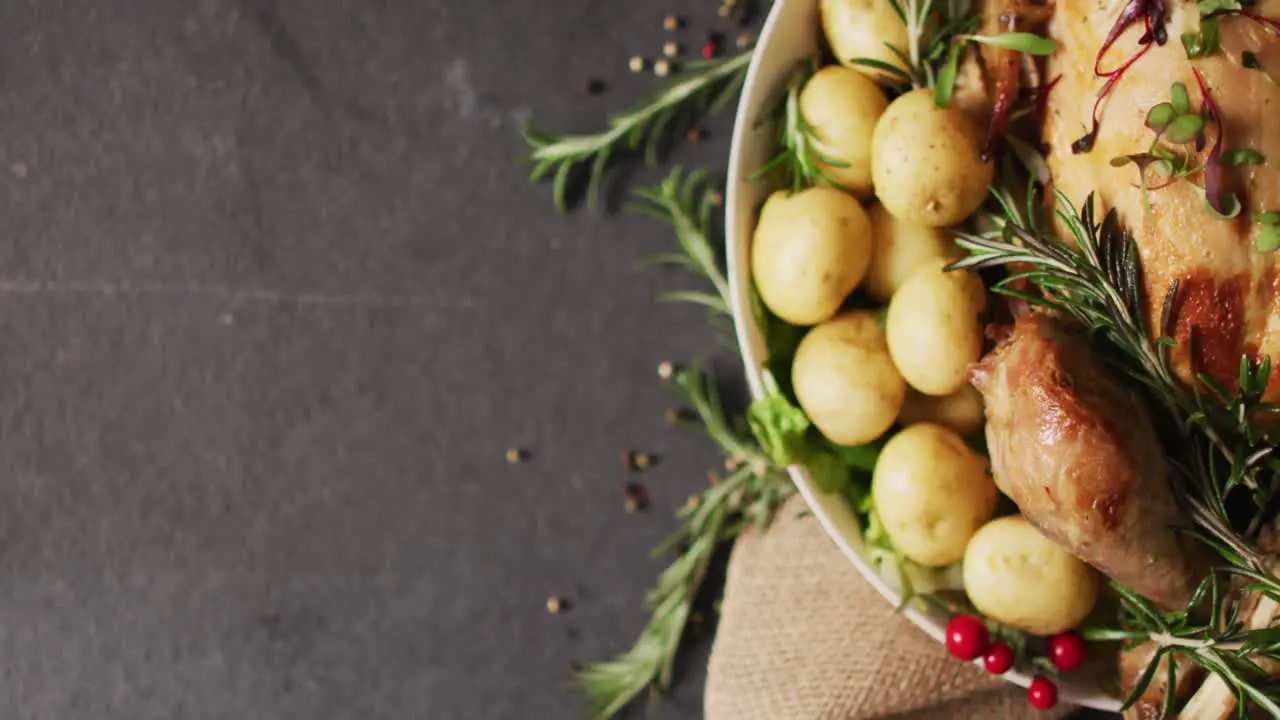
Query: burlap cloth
point(803, 637)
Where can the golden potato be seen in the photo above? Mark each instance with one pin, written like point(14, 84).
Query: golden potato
point(842, 106)
point(861, 29)
point(809, 251)
point(898, 249)
point(933, 327)
point(932, 492)
point(961, 411)
point(1021, 578)
point(924, 161)
point(844, 379)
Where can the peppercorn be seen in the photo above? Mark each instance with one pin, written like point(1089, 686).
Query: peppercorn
point(670, 49)
point(593, 86)
point(634, 497)
point(666, 370)
point(671, 23)
point(638, 460)
point(516, 455)
point(662, 68)
point(556, 605)
point(636, 64)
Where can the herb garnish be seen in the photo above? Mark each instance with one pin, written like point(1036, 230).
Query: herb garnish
point(704, 88)
point(1022, 42)
point(1206, 42)
point(1152, 13)
point(752, 489)
point(1268, 239)
point(798, 160)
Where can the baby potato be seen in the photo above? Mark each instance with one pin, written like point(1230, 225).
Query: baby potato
point(1016, 575)
point(932, 492)
point(932, 327)
point(900, 247)
point(845, 380)
point(842, 106)
point(861, 29)
point(924, 161)
point(961, 412)
point(809, 251)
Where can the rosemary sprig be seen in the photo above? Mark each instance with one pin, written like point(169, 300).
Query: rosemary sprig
point(928, 40)
point(798, 160)
point(746, 497)
point(686, 202)
point(704, 88)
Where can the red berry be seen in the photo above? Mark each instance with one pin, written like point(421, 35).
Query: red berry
point(709, 50)
point(966, 637)
point(1042, 694)
point(999, 659)
point(1068, 650)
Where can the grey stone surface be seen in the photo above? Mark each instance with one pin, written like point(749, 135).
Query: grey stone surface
point(274, 299)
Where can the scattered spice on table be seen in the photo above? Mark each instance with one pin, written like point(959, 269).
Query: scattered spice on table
point(671, 23)
point(638, 460)
point(556, 605)
point(634, 497)
point(636, 64)
point(517, 455)
point(662, 68)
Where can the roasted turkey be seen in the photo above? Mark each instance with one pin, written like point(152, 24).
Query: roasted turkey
point(1074, 448)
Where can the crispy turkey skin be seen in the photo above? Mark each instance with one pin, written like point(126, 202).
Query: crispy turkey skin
point(1076, 451)
point(1229, 291)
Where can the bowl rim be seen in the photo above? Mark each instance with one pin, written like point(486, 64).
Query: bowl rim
point(739, 225)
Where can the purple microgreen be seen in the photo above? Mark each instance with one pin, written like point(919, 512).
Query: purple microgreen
point(1159, 116)
point(1152, 14)
point(1236, 157)
point(1133, 10)
point(1227, 206)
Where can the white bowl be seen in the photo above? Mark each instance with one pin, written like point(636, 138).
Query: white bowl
point(791, 34)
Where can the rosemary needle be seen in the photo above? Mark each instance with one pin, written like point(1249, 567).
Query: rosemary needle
point(703, 88)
